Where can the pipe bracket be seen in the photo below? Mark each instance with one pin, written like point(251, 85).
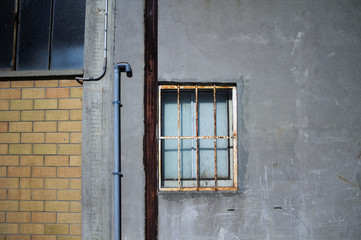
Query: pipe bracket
point(118, 173)
point(117, 102)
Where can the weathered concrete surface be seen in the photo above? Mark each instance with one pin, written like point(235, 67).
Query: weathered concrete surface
point(298, 69)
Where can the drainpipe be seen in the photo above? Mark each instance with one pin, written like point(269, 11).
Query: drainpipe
point(118, 68)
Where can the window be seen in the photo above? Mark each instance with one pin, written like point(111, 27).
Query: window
point(42, 34)
point(197, 138)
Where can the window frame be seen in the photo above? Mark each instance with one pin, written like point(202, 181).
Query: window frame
point(231, 184)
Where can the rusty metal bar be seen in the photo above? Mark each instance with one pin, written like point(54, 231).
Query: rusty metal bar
point(197, 141)
point(159, 139)
point(196, 137)
point(215, 134)
point(178, 116)
point(234, 123)
point(194, 87)
point(183, 189)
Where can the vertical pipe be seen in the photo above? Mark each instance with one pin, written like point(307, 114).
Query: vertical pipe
point(117, 193)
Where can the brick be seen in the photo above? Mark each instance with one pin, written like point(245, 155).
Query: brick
point(9, 116)
point(46, 104)
point(69, 149)
point(32, 228)
point(51, 183)
point(44, 148)
point(27, 160)
point(2, 217)
point(75, 229)
point(4, 126)
point(4, 149)
point(33, 93)
point(44, 195)
point(10, 93)
point(57, 229)
point(19, 171)
point(70, 103)
point(71, 126)
point(75, 207)
point(69, 83)
point(75, 161)
point(57, 115)
point(9, 206)
point(76, 93)
point(20, 127)
point(69, 172)
point(57, 92)
point(75, 183)
point(44, 171)
point(68, 218)
point(16, 194)
point(4, 104)
point(43, 217)
point(75, 137)
point(8, 160)
point(31, 206)
point(4, 84)
point(56, 206)
point(57, 138)
point(43, 237)
point(21, 104)
point(69, 238)
point(3, 194)
point(3, 171)
point(9, 137)
point(8, 228)
point(17, 217)
point(45, 126)
point(32, 138)
point(57, 161)
point(20, 149)
point(18, 237)
point(31, 183)
point(9, 182)
point(70, 195)
point(22, 84)
point(46, 83)
point(76, 114)
point(32, 116)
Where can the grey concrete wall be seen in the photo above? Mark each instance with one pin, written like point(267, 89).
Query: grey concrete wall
point(297, 65)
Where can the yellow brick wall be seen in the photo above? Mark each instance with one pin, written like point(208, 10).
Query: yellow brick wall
point(40, 160)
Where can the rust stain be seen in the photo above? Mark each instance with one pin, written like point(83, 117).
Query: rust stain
point(348, 181)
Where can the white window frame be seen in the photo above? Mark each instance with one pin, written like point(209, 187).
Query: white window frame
point(201, 185)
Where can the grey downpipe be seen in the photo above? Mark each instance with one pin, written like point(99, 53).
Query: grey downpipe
point(118, 68)
point(105, 49)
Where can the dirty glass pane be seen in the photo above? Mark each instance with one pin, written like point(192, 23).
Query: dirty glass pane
point(169, 113)
point(6, 33)
point(170, 159)
point(206, 159)
point(205, 113)
point(33, 42)
point(187, 113)
point(223, 158)
point(68, 34)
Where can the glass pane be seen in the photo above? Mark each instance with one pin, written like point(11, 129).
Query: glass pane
point(188, 159)
point(68, 34)
point(170, 159)
point(34, 27)
point(205, 113)
point(223, 158)
point(206, 159)
point(187, 113)
point(169, 113)
point(222, 113)
point(7, 8)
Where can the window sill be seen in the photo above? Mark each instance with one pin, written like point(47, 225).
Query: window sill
point(41, 74)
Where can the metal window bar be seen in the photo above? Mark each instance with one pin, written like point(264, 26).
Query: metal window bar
point(232, 136)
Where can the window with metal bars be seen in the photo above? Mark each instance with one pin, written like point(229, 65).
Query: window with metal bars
point(42, 34)
point(197, 138)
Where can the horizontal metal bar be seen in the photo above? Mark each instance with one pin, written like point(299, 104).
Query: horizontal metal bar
point(194, 87)
point(197, 137)
point(199, 189)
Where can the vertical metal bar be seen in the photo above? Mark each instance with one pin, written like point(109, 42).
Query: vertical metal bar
point(215, 134)
point(160, 167)
point(197, 140)
point(50, 32)
point(234, 108)
point(178, 116)
point(15, 41)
